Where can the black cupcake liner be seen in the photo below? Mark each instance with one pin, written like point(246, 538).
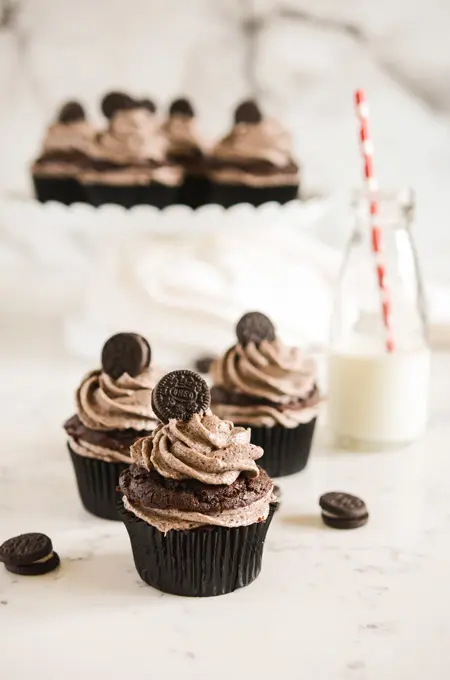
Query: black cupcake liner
point(158, 195)
point(230, 194)
point(195, 191)
point(97, 482)
point(64, 190)
point(286, 450)
point(201, 562)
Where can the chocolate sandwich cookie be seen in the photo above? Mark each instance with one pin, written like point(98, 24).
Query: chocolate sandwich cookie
point(277, 492)
point(114, 102)
point(29, 555)
point(71, 112)
point(255, 327)
point(39, 568)
point(180, 394)
point(203, 363)
point(181, 107)
point(248, 112)
point(278, 495)
point(343, 510)
point(125, 353)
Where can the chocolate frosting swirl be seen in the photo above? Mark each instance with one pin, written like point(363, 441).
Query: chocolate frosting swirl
point(204, 448)
point(280, 377)
point(125, 403)
point(75, 136)
point(267, 141)
point(269, 370)
point(133, 136)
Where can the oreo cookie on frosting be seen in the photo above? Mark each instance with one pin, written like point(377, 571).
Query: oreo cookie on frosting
point(125, 353)
point(180, 395)
point(71, 112)
point(248, 112)
point(255, 327)
point(114, 102)
point(181, 107)
point(253, 163)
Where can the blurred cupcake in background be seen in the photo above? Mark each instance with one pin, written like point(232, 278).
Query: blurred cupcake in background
point(131, 165)
point(113, 410)
point(271, 388)
point(253, 163)
point(67, 147)
point(187, 149)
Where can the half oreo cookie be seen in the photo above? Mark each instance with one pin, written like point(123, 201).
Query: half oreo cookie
point(204, 363)
point(71, 112)
point(125, 353)
point(181, 107)
point(248, 112)
point(116, 101)
point(179, 395)
point(255, 327)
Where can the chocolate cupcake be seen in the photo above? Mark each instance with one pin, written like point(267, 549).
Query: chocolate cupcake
point(187, 150)
point(195, 503)
point(131, 165)
point(253, 163)
point(262, 384)
point(67, 147)
point(113, 410)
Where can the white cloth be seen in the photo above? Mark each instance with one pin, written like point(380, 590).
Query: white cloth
point(179, 277)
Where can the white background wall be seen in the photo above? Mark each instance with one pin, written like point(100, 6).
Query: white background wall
point(302, 58)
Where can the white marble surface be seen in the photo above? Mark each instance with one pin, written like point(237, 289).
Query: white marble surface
point(328, 605)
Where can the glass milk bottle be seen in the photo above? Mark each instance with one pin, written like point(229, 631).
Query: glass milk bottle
point(379, 399)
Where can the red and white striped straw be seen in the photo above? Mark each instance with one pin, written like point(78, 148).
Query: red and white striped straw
point(374, 211)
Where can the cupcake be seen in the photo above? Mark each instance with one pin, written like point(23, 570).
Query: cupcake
point(263, 384)
point(113, 410)
point(253, 163)
point(186, 149)
point(66, 149)
point(196, 505)
point(131, 165)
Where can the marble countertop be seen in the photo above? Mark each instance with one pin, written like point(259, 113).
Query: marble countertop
point(328, 605)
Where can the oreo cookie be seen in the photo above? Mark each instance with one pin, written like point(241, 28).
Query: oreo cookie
point(278, 495)
point(71, 112)
point(116, 101)
point(277, 492)
point(248, 112)
point(203, 363)
point(343, 510)
point(179, 395)
point(44, 566)
point(25, 549)
point(181, 107)
point(125, 353)
point(255, 327)
point(29, 555)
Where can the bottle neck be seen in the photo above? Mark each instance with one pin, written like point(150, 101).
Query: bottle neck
point(359, 301)
point(395, 210)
